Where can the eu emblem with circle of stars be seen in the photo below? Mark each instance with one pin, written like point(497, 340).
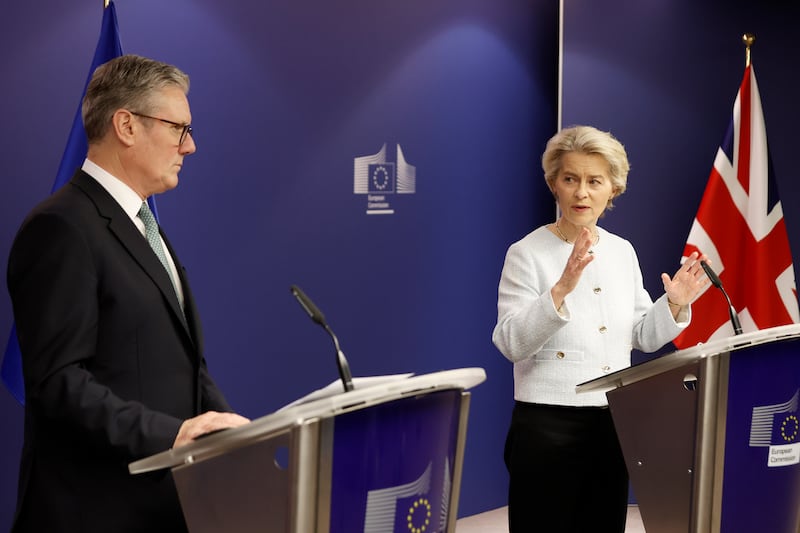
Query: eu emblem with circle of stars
point(419, 516)
point(382, 178)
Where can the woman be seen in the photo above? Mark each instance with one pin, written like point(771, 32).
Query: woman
point(571, 305)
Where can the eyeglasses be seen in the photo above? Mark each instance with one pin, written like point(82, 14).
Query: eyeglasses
point(177, 126)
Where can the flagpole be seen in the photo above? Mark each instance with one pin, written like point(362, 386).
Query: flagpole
point(748, 39)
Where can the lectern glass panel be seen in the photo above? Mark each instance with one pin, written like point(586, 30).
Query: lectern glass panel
point(761, 488)
point(393, 465)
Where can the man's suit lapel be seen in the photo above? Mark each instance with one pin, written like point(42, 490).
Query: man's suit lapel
point(131, 238)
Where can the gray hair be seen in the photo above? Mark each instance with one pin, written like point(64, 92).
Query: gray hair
point(587, 140)
point(125, 82)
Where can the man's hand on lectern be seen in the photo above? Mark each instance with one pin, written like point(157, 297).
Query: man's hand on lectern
point(208, 422)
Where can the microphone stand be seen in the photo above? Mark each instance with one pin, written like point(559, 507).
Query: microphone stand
point(341, 361)
point(316, 315)
point(715, 281)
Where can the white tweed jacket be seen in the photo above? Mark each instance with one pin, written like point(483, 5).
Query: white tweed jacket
point(607, 315)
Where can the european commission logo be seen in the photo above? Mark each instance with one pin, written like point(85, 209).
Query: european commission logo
point(777, 427)
point(409, 508)
point(380, 180)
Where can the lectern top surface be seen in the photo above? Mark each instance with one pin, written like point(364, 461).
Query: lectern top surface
point(682, 357)
point(295, 414)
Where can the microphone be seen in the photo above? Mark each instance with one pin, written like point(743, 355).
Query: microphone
point(715, 281)
point(316, 315)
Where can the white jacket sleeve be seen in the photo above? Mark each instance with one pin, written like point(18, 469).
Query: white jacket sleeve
point(526, 315)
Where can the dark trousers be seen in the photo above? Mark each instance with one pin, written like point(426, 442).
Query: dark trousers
point(567, 473)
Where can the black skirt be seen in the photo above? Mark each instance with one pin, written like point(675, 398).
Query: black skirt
point(567, 472)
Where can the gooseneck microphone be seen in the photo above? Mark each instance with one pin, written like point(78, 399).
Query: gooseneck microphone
point(715, 281)
point(316, 315)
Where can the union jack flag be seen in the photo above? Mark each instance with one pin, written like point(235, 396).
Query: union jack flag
point(740, 227)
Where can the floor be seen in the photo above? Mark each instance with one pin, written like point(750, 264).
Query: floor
point(496, 521)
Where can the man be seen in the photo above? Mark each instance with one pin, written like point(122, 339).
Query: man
point(110, 336)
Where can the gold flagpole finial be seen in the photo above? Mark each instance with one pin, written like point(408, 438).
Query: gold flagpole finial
point(105, 3)
point(748, 39)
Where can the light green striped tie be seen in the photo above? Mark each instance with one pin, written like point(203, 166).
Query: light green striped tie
point(151, 232)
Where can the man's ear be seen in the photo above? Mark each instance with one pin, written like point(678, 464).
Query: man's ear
point(124, 126)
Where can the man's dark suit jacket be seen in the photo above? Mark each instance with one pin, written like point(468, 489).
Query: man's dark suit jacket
point(112, 367)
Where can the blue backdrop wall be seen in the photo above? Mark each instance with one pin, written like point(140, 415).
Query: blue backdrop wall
point(285, 96)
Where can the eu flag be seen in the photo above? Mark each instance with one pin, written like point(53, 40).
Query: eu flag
point(108, 47)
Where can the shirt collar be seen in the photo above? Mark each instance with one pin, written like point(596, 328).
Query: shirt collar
point(126, 197)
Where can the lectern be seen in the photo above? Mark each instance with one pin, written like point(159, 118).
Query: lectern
point(711, 436)
point(379, 458)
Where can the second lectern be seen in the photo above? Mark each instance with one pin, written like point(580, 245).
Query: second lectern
point(711, 435)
